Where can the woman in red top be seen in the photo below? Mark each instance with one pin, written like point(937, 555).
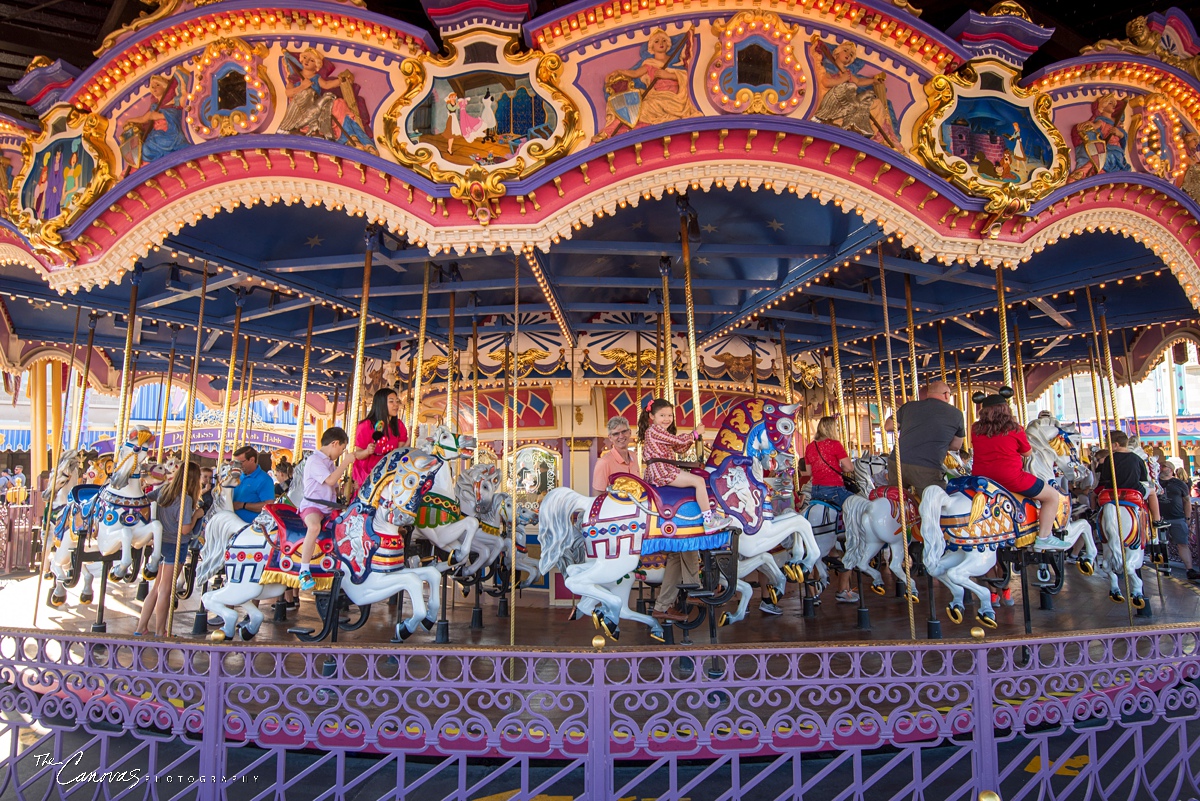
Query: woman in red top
point(380, 432)
point(827, 462)
point(1000, 448)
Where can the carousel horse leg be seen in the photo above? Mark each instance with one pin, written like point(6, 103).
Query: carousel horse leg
point(200, 622)
point(100, 627)
point(225, 602)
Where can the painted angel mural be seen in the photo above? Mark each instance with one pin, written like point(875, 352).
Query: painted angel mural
point(158, 130)
point(1100, 140)
point(849, 99)
point(657, 90)
point(322, 104)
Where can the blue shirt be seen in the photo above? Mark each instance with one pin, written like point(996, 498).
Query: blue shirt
point(256, 487)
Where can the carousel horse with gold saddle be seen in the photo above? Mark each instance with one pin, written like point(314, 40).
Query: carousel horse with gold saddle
point(598, 542)
point(118, 515)
point(360, 552)
point(977, 517)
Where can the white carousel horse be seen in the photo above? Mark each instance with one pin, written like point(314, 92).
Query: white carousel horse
point(261, 559)
point(477, 492)
point(119, 515)
point(440, 516)
point(496, 519)
point(1056, 445)
point(632, 519)
point(1126, 531)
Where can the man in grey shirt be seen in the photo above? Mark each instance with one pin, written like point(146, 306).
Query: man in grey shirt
point(928, 429)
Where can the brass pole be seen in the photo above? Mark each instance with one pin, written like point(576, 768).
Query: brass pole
point(941, 353)
point(187, 446)
point(964, 401)
point(664, 269)
point(510, 455)
point(903, 380)
point(878, 401)
point(360, 342)
point(1022, 399)
point(239, 419)
point(1002, 310)
point(302, 406)
point(855, 412)
point(451, 364)
point(753, 366)
point(911, 332)
point(166, 400)
point(785, 379)
point(419, 358)
point(887, 327)
point(1137, 426)
point(333, 414)
point(639, 404)
point(77, 432)
point(843, 427)
point(1100, 350)
point(124, 402)
point(240, 301)
point(475, 386)
point(693, 356)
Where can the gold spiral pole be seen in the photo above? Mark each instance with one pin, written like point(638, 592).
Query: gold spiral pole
point(964, 402)
point(360, 342)
point(1102, 424)
point(911, 333)
point(693, 354)
point(77, 429)
point(637, 375)
point(242, 409)
point(229, 377)
point(1109, 375)
point(166, 400)
point(333, 413)
point(664, 269)
point(302, 405)
point(451, 364)
point(419, 357)
point(475, 386)
point(887, 327)
point(510, 454)
point(855, 412)
point(1137, 425)
point(129, 365)
point(883, 446)
point(785, 379)
point(942, 355)
point(753, 366)
point(187, 447)
point(903, 381)
point(1097, 372)
point(1002, 310)
point(658, 358)
point(825, 394)
point(1019, 375)
point(843, 428)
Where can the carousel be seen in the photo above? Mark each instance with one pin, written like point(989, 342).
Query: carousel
point(260, 225)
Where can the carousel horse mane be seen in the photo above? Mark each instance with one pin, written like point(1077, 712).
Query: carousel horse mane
point(466, 488)
point(562, 539)
point(124, 470)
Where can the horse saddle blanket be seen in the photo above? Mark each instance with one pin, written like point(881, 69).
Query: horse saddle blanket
point(674, 524)
point(1135, 502)
point(997, 519)
point(77, 512)
point(912, 517)
point(349, 537)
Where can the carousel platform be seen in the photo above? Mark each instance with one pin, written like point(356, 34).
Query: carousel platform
point(1083, 605)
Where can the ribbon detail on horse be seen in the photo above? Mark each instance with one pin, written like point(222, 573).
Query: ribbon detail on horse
point(995, 519)
point(1135, 502)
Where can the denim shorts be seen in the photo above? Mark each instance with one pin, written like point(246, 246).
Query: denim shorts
point(835, 496)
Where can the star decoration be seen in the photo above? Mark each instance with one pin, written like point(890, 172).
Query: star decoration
point(709, 228)
point(637, 224)
point(775, 225)
point(702, 260)
point(314, 241)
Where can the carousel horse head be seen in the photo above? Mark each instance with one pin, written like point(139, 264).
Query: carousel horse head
point(132, 456)
point(397, 483)
point(228, 476)
point(445, 444)
point(760, 429)
point(476, 489)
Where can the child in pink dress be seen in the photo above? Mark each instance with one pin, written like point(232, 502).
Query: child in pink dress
point(656, 430)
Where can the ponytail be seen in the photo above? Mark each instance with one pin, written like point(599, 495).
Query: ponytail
point(645, 419)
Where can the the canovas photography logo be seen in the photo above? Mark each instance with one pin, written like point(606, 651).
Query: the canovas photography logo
point(71, 771)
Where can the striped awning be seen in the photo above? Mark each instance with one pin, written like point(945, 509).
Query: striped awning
point(20, 439)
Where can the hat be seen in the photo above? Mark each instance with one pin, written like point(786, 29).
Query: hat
point(999, 399)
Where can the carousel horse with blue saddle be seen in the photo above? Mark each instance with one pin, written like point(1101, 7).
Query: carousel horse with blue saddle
point(599, 542)
point(117, 515)
point(1000, 506)
point(359, 551)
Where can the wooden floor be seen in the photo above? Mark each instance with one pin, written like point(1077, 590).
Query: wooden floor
point(1082, 605)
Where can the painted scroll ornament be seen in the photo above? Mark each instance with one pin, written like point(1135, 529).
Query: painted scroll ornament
point(755, 67)
point(974, 135)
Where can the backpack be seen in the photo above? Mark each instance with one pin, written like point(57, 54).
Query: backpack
point(295, 493)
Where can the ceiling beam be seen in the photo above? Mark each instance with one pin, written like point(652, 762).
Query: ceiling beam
point(1051, 312)
point(1054, 343)
point(585, 247)
point(167, 298)
point(600, 281)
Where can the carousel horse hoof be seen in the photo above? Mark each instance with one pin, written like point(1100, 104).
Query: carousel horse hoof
point(1085, 567)
point(1117, 597)
point(598, 620)
point(878, 589)
point(986, 618)
point(466, 591)
point(55, 600)
point(912, 596)
point(85, 598)
point(724, 621)
point(955, 613)
point(48, 576)
point(116, 575)
point(245, 634)
point(772, 595)
point(612, 632)
point(574, 614)
point(149, 574)
point(1138, 602)
point(217, 636)
point(402, 633)
point(657, 636)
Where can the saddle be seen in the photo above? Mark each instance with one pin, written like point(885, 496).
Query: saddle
point(676, 524)
point(998, 518)
point(1134, 501)
point(667, 502)
point(332, 546)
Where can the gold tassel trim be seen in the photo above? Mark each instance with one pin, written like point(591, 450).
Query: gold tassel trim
point(324, 583)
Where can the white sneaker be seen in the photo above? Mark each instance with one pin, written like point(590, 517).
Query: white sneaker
point(717, 522)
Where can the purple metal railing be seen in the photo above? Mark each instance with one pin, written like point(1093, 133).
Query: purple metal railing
point(1103, 715)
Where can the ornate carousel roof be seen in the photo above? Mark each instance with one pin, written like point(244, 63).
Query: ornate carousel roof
point(810, 158)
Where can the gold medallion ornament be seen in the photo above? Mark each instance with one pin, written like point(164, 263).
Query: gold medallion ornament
point(476, 128)
point(975, 136)
point(64, 168)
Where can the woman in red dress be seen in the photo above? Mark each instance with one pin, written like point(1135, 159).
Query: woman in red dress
point(1000, 449)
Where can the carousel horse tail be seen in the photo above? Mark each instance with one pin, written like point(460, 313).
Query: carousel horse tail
point(217, 533)
point(559, 516)
point(854, 513)
point(932, 503)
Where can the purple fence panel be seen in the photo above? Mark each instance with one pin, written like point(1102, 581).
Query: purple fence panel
point(1094, 715)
